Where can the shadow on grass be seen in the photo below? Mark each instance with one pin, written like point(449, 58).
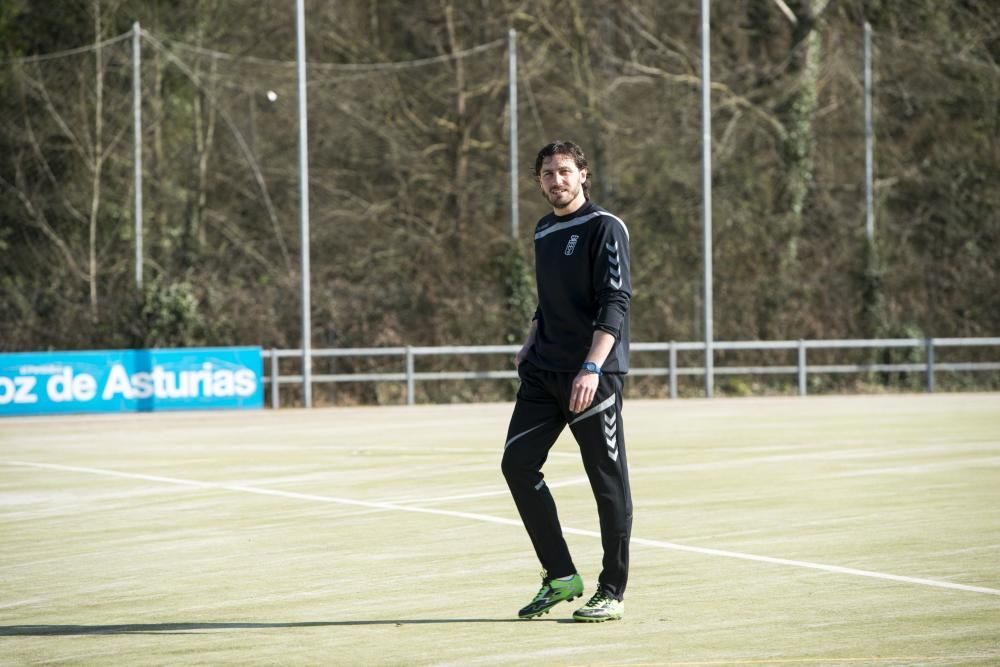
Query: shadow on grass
point(175, 628)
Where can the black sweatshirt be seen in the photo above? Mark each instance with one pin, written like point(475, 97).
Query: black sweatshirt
point(584, 284)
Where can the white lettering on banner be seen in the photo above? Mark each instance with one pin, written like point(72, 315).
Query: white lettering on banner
point(58, 387)
point(204, 382)
point(47, 369)
point(17, 390)
point(159, 383)
point(142, 383)
point(204, 377)
point(175, 384)
point(118, 383)
point(246, 382)
point(68, 387)
point(84, 387)
point(26, 390)
point(222, 383)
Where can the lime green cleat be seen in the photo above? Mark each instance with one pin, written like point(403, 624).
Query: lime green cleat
point(553, 592)
point(601, 607)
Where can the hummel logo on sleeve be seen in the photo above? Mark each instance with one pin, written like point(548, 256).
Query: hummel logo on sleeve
point(610, 434)
point(614, 269)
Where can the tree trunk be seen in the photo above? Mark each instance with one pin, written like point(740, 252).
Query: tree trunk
point(595, 144)
point(780, 305)
point(800, 141)
point(459, 187)
point(204, 133)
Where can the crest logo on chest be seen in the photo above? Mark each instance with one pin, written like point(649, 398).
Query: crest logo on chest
point(571, 245)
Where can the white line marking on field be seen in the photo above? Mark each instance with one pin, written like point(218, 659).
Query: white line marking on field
point(472, 516)
point(485, 494)
point(841, 455)
point(922, 468)
point(830, 660)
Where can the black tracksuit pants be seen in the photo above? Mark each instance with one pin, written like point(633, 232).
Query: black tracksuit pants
point(540, 414)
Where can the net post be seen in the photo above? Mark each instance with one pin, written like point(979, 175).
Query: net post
point(706, 143)
point(512, 92)
point(300, 53)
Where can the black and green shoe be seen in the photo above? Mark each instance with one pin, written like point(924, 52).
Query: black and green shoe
point(553, 592)
point(600, 608)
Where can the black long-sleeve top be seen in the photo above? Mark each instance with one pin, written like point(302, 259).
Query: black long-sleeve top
point(584, 284)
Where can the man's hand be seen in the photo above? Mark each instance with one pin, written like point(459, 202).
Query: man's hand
point(582, 394)
point(520, 356)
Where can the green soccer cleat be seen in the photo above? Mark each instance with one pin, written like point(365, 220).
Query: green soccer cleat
point(601, 607)
point(553, 592)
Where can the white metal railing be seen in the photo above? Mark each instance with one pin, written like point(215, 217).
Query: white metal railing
point(670, 369)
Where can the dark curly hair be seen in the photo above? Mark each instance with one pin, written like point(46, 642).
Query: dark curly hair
point(565, 148)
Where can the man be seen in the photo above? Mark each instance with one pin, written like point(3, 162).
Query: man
point(571, 369)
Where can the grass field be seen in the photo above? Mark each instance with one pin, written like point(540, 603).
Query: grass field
point(816, 531)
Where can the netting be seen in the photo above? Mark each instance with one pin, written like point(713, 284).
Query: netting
point(408, 216)
point(409, 189)
point(66, 184)
point(938, 169)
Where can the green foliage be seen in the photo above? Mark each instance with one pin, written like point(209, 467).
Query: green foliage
point(8, 11)
point(873, 316)
point(517, 277)
point(168, 315)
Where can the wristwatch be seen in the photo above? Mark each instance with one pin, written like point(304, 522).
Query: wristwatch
point(591, 367)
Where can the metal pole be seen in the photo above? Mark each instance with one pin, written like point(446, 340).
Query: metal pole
point(803, 386)
point(300, 30)
point(410, 389)
point(706, 129)
point(137, 145)
point(275, 380)
point(869, 139)
point(930, 365)
point(512, 91)
point(672, 372)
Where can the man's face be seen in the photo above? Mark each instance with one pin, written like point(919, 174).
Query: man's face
point(562, 182)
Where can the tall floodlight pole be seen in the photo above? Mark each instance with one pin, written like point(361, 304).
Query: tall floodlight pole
point(512, 90)
point(300, 33)
point(137, 147)
point(706, 140)
point(869, 140)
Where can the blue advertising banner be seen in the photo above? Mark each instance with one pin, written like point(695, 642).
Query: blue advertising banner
point(209, 378)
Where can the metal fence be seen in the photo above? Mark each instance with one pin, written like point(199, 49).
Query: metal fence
point(670, 369)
